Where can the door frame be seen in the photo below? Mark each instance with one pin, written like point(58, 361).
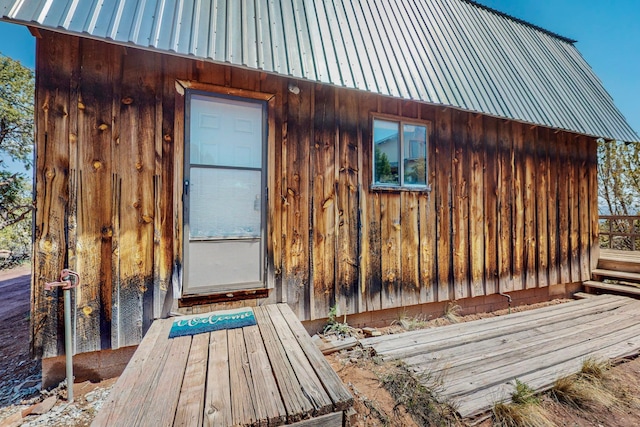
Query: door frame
point(184, 89)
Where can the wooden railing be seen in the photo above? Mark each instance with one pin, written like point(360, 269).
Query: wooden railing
point(620, 232)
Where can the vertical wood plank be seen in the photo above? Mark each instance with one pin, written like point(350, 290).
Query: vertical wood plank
point(390, 231)
point(94, 297)
point(134, 169)
point(584, 201)
point(52, 105)
point(363, 142)
point(476, 205)
point(530, 235)
point(592, 166)
point(323, 202)
point(410, 249)
point(242, 397)
point(491, 205)
point(553, 228)
point(542, 196)
point(518, 206)
point(297, 144)
point(427, 217)
point(443, 200)
point(347, 295)
point(217, 403)
point(505, 206)
point(391, 240)
point(275, 191)
point(460, 206)
point(164, 193)
point(564, 176)
point(267, 400)
point(573, 158)
point(370, 255)
point(190, 409)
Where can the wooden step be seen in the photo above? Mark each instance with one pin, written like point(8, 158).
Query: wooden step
point(614, 274)
point(619, 289)
point(628, 261)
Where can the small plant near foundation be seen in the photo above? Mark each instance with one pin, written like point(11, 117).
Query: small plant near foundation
point(524, 394)
point(335, 327)
point(524, 411)
point(452, 312)
point(419, 394)
point(409, 323)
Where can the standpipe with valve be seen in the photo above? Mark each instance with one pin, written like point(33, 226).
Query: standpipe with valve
point(68, 280)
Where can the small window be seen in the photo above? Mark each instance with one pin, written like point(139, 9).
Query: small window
point(400, 154)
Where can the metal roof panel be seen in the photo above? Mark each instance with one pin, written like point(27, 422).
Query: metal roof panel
point(456, 53)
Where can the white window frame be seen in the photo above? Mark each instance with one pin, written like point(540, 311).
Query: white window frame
point(401, 121)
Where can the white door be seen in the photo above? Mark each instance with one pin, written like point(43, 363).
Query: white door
point(224, 194)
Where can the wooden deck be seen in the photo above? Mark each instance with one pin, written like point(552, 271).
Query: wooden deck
point(479, 361)
point(267, 374)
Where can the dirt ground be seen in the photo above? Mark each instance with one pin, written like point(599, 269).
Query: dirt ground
point(22, 403)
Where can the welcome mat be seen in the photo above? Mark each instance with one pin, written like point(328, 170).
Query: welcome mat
point(201, 323)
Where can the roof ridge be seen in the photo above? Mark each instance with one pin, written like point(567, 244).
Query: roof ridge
point(521, 21)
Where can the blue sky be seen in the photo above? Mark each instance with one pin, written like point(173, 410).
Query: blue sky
point(607, 31)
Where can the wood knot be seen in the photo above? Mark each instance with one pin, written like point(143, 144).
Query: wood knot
point(87, 310)
point(50, 173)
point(136, 204)
point(97, 165)
point(103, 127)
point(167, 137)
point(81, 105)
point(147, 219)
point(139, 166)
point(107, 232)
point(127, 100)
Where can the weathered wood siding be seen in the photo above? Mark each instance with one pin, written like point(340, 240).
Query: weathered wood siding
point(511, 206)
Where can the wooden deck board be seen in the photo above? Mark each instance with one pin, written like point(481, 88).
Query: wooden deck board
point(479, 361)
point(266, 374)
point(401, 345)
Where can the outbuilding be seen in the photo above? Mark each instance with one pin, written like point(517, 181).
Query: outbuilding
point(383, 157)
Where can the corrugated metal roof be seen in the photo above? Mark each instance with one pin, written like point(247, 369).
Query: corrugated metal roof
point(450, 52)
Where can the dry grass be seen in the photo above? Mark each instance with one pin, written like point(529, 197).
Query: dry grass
point(524, 411)
point(452, 312)
point(409, 323)
point(595, 386)
point(419, 394)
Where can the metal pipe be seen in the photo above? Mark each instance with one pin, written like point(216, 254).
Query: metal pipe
point(508, 297)
point(68, 343)
point(68, 280)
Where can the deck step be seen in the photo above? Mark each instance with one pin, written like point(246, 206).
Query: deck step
point(614, 274)
point(619, 261)
point(621, 289)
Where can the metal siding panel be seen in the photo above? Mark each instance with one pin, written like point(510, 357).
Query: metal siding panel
point(346, 57)
point(249, 35)
point(371, 68)
point(277, 38)
point(263, 35)
point(199, 40)
point(317, 52)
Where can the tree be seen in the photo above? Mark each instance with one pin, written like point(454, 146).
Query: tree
point(16, 142)
point(619, 177)
point(619, 190)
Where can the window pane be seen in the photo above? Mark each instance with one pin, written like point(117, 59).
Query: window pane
point(225, 203)
point(225, 132)
point(415, 154)
point(386, 143)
